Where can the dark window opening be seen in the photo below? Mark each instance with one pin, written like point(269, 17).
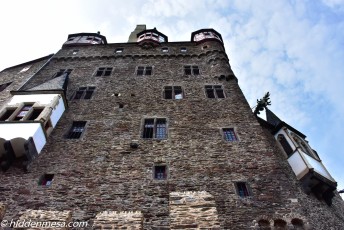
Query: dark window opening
point(76, 130)
point(155, 128)
point(280, 224)
point(173, 92)
point(46, 180)
point(7, 114)
point(189, 70)
point(263, 224)
point(61, 72)
point(214, 91)
point(285, 145)
point(35, 113)
point(297, 223)
point(229, 134)
point(22, 113)
point(120, 106)
point(148, 128)
point(104, 71)
point(144, 70)
point(119, 50)
point(242, 189)
point(4, 86)
point(160, 172)
point(84, 93)
point(183, 49)
point(164, 50)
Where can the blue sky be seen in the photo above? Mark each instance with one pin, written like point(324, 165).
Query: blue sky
point(294, 49)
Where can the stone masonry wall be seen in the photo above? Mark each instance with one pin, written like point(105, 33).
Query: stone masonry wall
point(193, 210)
point(118, 220)
point(101, 172)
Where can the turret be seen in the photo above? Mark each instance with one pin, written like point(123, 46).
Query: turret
point(151, 38)
point(85, 39)
point(203, 35)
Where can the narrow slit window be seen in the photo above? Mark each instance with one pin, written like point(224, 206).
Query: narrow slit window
point(119, 50)
point(242, 189)
point(229, 135)
point(183, 50)
point(160, 172)
point(164, 50)
point(76, 130)
point(148, 128)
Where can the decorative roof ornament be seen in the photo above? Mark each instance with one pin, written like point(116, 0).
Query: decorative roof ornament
point(262, 104)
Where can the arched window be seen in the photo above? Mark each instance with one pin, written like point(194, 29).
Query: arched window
point(297, 223)
point(264, 224)
point(280, 224)
point(303, 145)
point(285, 145)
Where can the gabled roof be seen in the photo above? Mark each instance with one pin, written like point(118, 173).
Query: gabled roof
point(274, 123)
point(57, 83)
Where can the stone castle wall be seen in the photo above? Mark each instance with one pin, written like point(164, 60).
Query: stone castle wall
point(99, 176)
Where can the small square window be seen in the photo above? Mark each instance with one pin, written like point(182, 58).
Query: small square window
point(229, 134)
point(183, 50)
point(75, 52)
point(104, 71)
point(46, 180)
point(164, 50)
point(119, 50)
point(160, 172)
point(76, 130)
point(242, 189)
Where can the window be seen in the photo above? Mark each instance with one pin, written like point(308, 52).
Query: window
point(75, 52)
point(76, 130)
point(214, 91)
point(144, 70)
point(154, 128)
point(242, 189)
point(285, 145)
point(229, 134)
point(4, 86)
point(119, 50)
point(164, 50)
point(61, 72)
point(46, 180)
point(84, 93)
point(173, 92)
point(183, 50)
point(7, 114)
point(160, 172)
point(24, 110)
point(191, 70)
point(35, 114)
point(104, 71)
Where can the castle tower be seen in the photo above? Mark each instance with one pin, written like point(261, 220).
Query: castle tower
point(152, 134)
